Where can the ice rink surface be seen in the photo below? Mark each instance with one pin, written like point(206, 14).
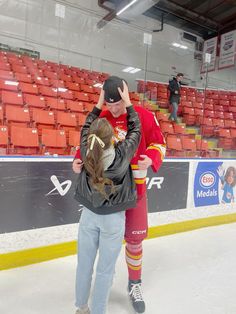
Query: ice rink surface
point(186, 273)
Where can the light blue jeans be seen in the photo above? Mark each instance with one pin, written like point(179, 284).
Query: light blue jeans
point(102, 233)
point(174, 111)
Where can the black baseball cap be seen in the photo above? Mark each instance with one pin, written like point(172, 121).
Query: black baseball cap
point(110, 87)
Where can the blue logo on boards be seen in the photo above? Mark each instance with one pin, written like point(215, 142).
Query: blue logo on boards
point(206, 184)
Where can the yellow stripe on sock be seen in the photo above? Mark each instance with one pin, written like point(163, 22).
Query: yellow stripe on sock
point(133, 256)
point(134, 267)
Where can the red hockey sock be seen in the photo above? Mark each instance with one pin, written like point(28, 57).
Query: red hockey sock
point(134, 254)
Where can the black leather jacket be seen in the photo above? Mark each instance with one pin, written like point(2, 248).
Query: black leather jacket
point(174, 87)
point(119, 171)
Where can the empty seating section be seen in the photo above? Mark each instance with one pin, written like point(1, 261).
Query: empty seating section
point(44, 104)
point(212, 114)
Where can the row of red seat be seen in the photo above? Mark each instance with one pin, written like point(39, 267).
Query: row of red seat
point(28, 141)
point(23, 116)
point(185, 146)
point(24, 64)
point(186, 90)
point(14, 98)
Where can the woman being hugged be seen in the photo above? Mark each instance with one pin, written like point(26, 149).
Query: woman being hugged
point(106, 188)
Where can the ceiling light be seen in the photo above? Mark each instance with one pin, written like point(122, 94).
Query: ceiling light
point(179, 46)
point(126, 7)
point(176, 45)
point(135, 70)
point(131, 70)
point(128, 69)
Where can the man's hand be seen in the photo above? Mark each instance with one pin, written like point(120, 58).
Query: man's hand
point(101, 99)
point(144, 163)
point(125, 94)
point(176, 92)
point(77, 165)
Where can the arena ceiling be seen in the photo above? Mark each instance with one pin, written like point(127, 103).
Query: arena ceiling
point(205, 18)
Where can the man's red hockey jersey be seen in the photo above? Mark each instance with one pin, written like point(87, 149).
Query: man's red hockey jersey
point(152, 142)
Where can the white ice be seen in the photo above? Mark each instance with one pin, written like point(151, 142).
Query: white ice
point(187, 273)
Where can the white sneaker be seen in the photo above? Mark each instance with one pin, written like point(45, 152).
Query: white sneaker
point(83, 311)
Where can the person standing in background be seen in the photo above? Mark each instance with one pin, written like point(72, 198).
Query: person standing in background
point(174, 88)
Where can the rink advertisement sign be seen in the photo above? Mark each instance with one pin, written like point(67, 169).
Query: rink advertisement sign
point(41, 194)
point(168, 189)
point(214, 183)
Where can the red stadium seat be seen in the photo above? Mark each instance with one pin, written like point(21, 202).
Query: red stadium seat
point(34, 101)
point(8, 85)
point(175, 146)
point(12, 98)
point(28, 88)
point(5, 66)
point(43, 119)
point(190, 147)
point(189, 116)
point(21, 77)
point(50, 75)
point(41, 80)
point(66, 119)
point(48, 91)
point(74, 141)
point(55, 103)
point(81, 96)
point(88, 107)
point(167, 128)
point(81, 118)
point(3, 139)
point(75, 106)
point(73, 86)
point(66, 94)
point(1, 115)
point(219, 114)
point(57, 83)
point(202, 146)
point(179, 129)
point(86, 88)
point(6, 75)
point(225, 139)
point(230, 124)
point(17, 114)
point(24, 141)
point(209, 113)
point(53, 141)
point(228, 115)
point(185, 103)
point(19, 68)
point(218, 122)
point(78, 80)
point(162, 116)
point(64, 77)
point(218, 108)
point(95, 97)
point(209, 106)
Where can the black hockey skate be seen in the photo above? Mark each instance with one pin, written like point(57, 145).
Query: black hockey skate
point(135, 294)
